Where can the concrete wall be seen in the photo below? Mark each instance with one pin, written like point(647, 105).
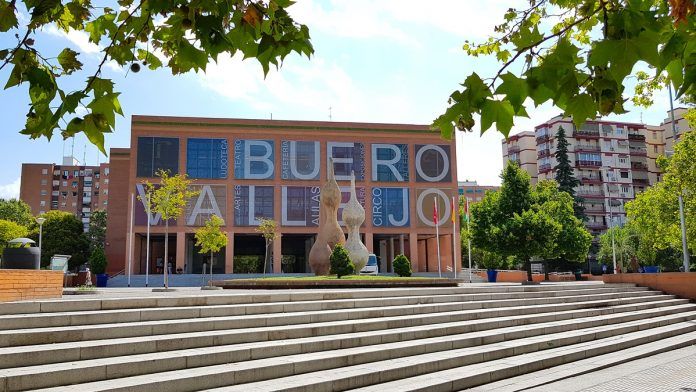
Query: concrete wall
point(682, 284)
point(19, 285)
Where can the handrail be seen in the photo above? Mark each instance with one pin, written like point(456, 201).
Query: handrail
point(121, 272)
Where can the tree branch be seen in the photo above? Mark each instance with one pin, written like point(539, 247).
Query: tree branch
point(12, 53)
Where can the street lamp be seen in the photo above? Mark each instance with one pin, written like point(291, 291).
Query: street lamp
point(682, 219)
point(40, 221)
point(611, 221)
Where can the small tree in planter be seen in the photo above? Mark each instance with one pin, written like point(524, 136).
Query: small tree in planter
point(97, 265)
point(169, 199)
point(269, 230)
point(340, 262)
point(402, 266)
point(211, 239)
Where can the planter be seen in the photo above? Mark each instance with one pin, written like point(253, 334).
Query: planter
point(651, 269)
point(102, 279)
point(578, 275)
point(492, 275)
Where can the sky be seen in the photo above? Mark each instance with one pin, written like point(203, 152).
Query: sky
point(393, 61)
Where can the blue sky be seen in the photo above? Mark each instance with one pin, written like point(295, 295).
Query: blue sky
point(376, 61)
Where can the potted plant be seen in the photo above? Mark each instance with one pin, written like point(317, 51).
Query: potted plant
point(492, 262)
point(97, 265)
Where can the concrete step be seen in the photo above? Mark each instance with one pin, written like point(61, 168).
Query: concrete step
point(361, 366)
point(260, 296)
point(534, 369)
point(123, 366)
point(29, 336)
point(370, 330)
point(56, 319)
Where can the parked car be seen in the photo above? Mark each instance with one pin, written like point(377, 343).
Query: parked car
point(371, 268)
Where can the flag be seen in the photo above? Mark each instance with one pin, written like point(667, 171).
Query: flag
point(435, 211)
point(454, 211)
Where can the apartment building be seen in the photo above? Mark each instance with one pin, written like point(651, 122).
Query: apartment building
point(681, 127)
point(522, 149)
point(70, 187)
point(474, 192)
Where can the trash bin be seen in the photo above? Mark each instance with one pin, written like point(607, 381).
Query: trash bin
point(102, 279)
point(578, 275)
point(20, 254)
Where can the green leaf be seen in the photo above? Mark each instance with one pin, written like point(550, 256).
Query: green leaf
point(497, 112)
point(675, 71)
point(153, 62)
point(515, 90)
point(94, 127)
point(8, 18)
point(476, 91)
point(581, 107)
point(68, 61)
point(188, 57)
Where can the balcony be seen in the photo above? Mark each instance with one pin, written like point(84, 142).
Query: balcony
point(542, 139)
point(544, 167)
point(587, 147)
point(596, 225)
point(513, 149)
point(590, 164)
point(638, 151)
point(588, 193)
point(543, 153)
point(587, 133)
point(639, 166)
point(641, 181)
point(636, 136)
point(590, 180)
point(595, 209)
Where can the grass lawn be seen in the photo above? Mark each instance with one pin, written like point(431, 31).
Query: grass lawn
point(333, 277)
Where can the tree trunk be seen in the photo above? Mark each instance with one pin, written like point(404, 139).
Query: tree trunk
point(528, 264)
point(166, 249)
point(546, 270)
point(265, 258)
point(211, 269)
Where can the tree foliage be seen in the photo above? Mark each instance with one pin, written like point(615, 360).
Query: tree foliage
point(401, 265)
point(17, 211)
point(269, 230)
point(625, 245)
point(341, 265)
point(210, 238)
point(97, 261)
point(170, 196)
point(180, 35)
point(576, 54)
point(10, 230)
point(654, 214)
point(97, 229)
point(565, 175)
point(62, 233)
point(520, 222)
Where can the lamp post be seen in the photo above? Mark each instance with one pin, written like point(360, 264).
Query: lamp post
point(611, 221)
point(682, 219)
point(40, 221)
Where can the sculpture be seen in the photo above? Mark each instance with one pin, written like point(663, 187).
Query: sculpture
point(353, 217)
point(330, 232)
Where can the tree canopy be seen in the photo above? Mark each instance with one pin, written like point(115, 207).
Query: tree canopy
point(210, 238)
point(180, 36)
point(576, 54)
point(16, 211)
point(10, 230)
point(63, 234)
point(520, 221)
point(97, 229)
point(565, 175)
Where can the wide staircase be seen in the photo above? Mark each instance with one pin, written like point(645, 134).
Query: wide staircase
point(492, 337)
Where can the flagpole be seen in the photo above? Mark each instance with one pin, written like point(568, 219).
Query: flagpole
point(454, 235)
point(130, 240)
point(437, 235)
point(468, 237)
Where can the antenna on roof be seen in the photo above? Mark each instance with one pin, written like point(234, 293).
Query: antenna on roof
point(84, 155)
point(330, 117)
point(271, 115)
point(641, 117)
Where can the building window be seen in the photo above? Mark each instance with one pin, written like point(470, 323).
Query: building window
point(206, 158)
point(44, 192)
point(44, 171)
point(74, 204)
point(44, 182)
point(624, 189)
point(622, 160)
point(155, 153)
point(74, 194)
point(654, 133)
point(624, 174)
point(43, 203)
point(66, 173)
point(106, 171)
point(65, 183)
point(74, 184)
point(76, 173)
point(655, 149)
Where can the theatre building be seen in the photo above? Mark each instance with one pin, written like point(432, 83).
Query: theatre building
point(246, 170)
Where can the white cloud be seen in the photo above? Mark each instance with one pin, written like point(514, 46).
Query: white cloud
point(78, 38)
point(11, 190)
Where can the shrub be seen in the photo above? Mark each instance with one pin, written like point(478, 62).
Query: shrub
point(340, 262)
point(248, 264)
point(97, 261)
point(402, 266)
